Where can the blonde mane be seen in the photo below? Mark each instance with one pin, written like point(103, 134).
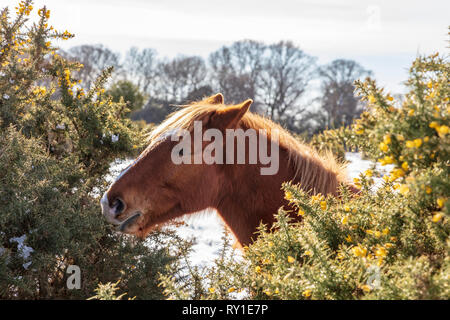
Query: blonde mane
point(320, 173)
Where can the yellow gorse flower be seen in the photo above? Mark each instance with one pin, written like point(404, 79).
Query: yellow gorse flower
point(368, 173)
point(306, 293)
point(288, 195)
point(383, 147)
point(405, 166)
point(291, 259)
point(436, 217)
point(410, 144)
point(366, 288)
point(66, 35)
point(44, 13)
point(417, 142)
point(386, 160)
point(39, 91)
point(381, 252)
point(396, 173)
point(443, 130)
point(317, 197)
point(404, 189)
point(357, 182)
point(440, 202)
point(359, 251)
point(358, 129)
point(433, 124)
point(23, 8)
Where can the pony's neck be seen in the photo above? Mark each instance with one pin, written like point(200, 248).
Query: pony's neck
point(249, 198)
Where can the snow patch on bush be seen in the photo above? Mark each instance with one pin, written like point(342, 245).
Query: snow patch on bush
point(23, 250)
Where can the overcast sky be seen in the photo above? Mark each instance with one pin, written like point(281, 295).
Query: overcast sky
point(383, 36)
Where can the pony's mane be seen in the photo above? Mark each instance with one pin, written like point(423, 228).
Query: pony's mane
point(320, 173)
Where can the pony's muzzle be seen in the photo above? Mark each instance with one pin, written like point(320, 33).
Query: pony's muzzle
point(118, 207)
point(111, 212)
point(128, 226)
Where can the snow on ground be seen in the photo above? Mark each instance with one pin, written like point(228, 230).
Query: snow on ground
point(207, 228)
point(356, 164)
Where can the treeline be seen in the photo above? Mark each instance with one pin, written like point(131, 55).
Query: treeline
point(279, 77)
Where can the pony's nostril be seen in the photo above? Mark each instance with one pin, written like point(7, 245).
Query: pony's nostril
point(118, 206)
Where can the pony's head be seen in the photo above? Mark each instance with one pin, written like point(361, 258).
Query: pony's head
point(153, 189)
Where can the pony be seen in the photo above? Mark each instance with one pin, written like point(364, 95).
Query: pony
point(153, 190)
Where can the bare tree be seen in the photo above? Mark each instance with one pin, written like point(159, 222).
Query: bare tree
point(95, 59)
point(337, 99)
point(236, 70)
point(287, 71)
point(141, 68)
point(179, 77)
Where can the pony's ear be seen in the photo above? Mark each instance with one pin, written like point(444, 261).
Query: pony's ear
point(215, 99)
point(228, 117)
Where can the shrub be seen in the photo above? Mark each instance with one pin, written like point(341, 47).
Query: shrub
point(388, 242)
point(127, 91)
point(57, 142)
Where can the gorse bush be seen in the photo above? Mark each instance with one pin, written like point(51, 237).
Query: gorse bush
point(57, 142)
point(108, 291)
point(391, 241)
point(335, 140)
